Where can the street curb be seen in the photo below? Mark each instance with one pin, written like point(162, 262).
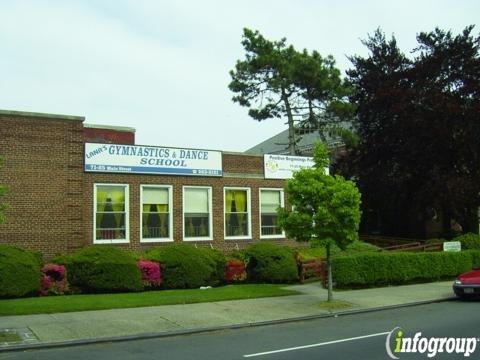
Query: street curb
point(145, 336)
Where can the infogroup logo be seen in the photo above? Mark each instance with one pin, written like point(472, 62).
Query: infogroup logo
point(429, 346)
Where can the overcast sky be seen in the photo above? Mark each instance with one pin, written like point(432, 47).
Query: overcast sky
point(162, 67)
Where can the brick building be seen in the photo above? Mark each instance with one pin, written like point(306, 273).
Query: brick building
point(60, 199)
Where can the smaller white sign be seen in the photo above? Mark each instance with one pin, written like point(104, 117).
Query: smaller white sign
point(283, 166)
point(452, 246)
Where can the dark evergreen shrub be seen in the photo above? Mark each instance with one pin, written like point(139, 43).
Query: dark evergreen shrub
point(270, 263)
point(469, 241)
point(218, 261)
point(184, 266)
point(102, 268)
point(19, 272)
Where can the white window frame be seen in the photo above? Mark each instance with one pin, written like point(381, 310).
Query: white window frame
point(282, 205)
point(170, 214)
point(127, 215)
point(210, 214)
point(249, 217)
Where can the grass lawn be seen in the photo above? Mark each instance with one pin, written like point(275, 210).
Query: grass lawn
point(68, 303)
point(334, 305)
point(6, 337)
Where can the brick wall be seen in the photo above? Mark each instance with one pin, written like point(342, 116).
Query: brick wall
point(43, 169)
point(236, 163)
point(239, 163)
point(51, 197)
point(96, 134)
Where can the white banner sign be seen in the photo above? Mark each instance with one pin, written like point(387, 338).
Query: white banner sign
point(283, 166)
point(452, 246)
point(152, 160)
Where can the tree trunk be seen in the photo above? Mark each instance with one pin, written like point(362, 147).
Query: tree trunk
point(292, 148)
point(329, 272)
point(469, 221)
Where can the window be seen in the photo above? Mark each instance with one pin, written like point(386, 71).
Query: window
point(237, 213)
point(111, 213)
point(270, 201)
point(156, 213)
point(197, 213)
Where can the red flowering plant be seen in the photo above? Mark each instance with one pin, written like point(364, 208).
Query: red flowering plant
point(235, 270)
point(54, 280)
point(151, 273)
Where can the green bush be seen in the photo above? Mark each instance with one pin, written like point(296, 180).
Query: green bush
point(311, 253)
point(359, 247)
point(271, 263)
point(475, 258)
point(469, 241)
point(19, 272)
point(218, 262)
point(102, 269)
point(236, 254)
point(317, 251)
point(185, 267)
point(379, 269)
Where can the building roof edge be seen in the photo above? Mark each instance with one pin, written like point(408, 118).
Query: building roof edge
point(110, 127)
point(41, 115)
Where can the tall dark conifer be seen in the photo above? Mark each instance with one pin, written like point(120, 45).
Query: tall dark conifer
point(420, 130)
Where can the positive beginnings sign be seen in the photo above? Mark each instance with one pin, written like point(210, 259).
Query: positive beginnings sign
point(152, 160)
point(283, 166)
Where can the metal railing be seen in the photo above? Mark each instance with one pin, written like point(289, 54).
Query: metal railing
point(110, 233)
point(271, 230)
point(155, 232)
point(196, 230)
point(237, 230)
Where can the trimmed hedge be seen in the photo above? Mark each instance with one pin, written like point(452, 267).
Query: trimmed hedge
point(101, 268)
point(270, 263)
point(186, 267)
point(475, 258)
point(379, 269)
point(218, 261)
point(19, 272)
point(469, 241)
point(318, 251)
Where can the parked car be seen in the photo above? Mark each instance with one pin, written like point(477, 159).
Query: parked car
point(467, 284)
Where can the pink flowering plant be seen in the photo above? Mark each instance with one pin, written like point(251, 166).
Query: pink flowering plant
point(235, 271)
point(151, 273)
point(54, 280)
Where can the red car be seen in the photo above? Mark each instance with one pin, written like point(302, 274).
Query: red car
point(468, 284)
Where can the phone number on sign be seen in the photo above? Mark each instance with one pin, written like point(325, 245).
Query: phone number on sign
point(207, 172)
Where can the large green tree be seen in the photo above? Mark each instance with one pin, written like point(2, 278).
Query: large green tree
point(418, 122)
point(324, 207)
point(277, 81)
point(3, 191)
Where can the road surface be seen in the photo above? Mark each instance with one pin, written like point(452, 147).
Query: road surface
point(360, 336)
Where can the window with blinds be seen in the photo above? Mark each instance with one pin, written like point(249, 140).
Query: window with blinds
point(156, 213)
point(197, 213)
point(270, 201)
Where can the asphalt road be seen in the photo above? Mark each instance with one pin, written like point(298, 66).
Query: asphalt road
point(360, 336)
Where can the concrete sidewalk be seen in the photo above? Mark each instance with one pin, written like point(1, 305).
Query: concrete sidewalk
point(110, 325)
